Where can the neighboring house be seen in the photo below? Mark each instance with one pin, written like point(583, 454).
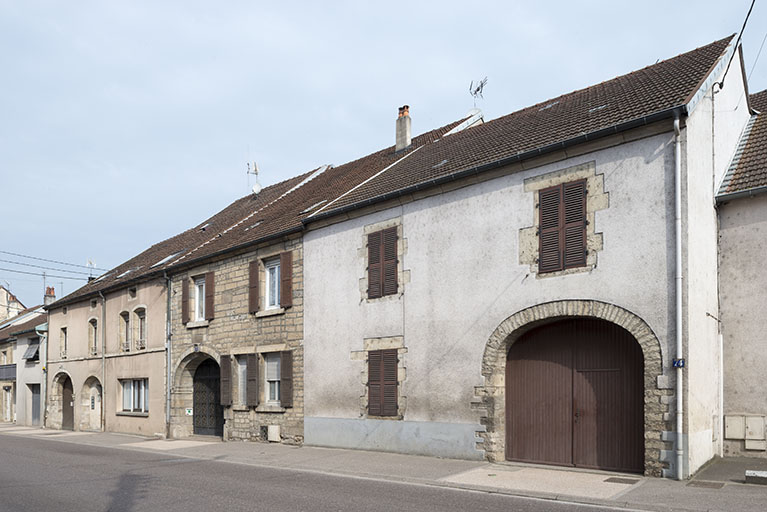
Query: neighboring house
point(10, 306)
point(510, 293)
point(742, 205)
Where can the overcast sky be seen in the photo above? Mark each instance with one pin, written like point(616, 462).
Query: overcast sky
point(124, 123)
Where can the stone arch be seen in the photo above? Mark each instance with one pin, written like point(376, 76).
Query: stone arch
point(55, 407)
point(90, 404)
point(185, 365)
point(492, 393)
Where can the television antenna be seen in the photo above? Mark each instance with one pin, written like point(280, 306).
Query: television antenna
point(476, 88)
point(254, 171)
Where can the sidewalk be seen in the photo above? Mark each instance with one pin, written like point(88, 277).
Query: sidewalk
point(718, 487)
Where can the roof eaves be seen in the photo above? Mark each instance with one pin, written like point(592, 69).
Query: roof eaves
point(755, 191)
point(742, 143)
point(709, 78)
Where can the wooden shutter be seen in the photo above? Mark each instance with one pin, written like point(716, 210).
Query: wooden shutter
point(574, 220)
point(374, 265)
point(550, 248)
point(253, 287)
point(286, 279)
point(251, 389)
point(286, 378)
point(210, 291)
point(185, 301)
point(382, 382)
point(389, 256)
point(226, 380)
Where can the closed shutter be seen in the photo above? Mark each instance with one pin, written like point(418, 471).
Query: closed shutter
point(286, 279)
point(574, 194)
point(210, 291)
point(251, 390)
point(374, 265)
point(382, 382)
point(253, 287)
point(185, 301)
point(286, 378)
point(226, 380)
point(550, 249)
point(389, 276)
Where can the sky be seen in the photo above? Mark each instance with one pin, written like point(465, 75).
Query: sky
point(125, 123)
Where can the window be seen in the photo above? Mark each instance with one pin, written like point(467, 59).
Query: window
point(139, 323)
point(272, 391)
point(135, 395)
point(272, 299)
point(242, 379)
point(562, 232)
point(132, 292)
point(63, 342)
point(199, 298)
point(32, 353)
point(93, 337)
point(382, 263)
point(382, 382)
point(124, 331)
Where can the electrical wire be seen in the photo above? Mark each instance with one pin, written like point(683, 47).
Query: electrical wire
point(43, 275)
point(45, 268)
point(53, 261)
point(740, 35)
point(757, 58)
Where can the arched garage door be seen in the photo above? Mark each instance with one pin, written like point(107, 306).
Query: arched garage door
point(574, 397)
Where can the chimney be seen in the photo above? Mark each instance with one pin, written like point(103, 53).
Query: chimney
point(403, 128)
point(50, 295)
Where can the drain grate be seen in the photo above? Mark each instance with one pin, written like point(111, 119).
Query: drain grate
point(619, 480)
point(705, 485)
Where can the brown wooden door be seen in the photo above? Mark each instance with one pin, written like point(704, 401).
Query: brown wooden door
point(67, 405)
point(575, 397)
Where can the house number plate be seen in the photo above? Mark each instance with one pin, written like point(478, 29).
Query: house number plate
point(679, 363)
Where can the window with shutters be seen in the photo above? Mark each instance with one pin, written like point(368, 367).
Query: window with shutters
point(383, 382)
point(562, 229)
point(274, 284)
point(272, 295)
point(199, 299)
point(277, 381)
point(197, 303)
point(272, 390)
point(382, 263)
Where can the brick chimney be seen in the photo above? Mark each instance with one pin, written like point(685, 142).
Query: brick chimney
point(403, 128)
point(50, 295)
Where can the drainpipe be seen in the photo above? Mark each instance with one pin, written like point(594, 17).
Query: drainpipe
point(44, 377)
point(168, 334)
point(678, 308)
point(103, 359)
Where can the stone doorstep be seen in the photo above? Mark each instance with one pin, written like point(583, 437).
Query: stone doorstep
point(756, 477)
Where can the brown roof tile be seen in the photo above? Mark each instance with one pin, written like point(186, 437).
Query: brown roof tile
point(749, 166)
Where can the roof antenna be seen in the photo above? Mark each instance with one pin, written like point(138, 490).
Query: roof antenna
point(254, 171)
point(475, 89)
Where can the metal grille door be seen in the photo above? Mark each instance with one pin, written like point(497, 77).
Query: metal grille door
point(208, 412)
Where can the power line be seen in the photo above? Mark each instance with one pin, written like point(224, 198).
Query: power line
point(45, 268)
point(43, 275)
point(740, 35)
point(757, 57)
point(53, 261)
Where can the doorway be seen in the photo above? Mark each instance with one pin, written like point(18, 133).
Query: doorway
point(208, 412)
point(67, 405)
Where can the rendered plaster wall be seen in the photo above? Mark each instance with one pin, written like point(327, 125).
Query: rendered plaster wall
point(467, 274)
point(84, 368)
point(709, 143)
point(27, 372)
point(743, 293)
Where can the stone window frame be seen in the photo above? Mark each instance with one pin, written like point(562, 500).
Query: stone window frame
point(596, 200)
point(383, 343)
point(136, 326)
point(196, 281)
point(93, 336)
point(124, 331)
point(63, 341)
point(403, 276)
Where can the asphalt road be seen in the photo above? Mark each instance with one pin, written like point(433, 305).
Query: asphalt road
point(40, 475)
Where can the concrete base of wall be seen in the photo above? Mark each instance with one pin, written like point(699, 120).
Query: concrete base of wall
point(450, 440)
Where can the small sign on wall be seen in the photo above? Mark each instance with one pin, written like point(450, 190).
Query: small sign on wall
point(189, 411)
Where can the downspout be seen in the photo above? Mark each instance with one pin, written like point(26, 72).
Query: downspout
point(44, 377)
point(678, 308)
point(103, 359)
point(168, 334)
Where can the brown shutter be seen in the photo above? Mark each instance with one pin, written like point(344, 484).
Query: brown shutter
point(286, 279)
point(251, 389)
point(226, 380)
point(185, 300)
point(210, 292)
point(550, 248)
point(374, 265)
point(253, 287)
point(286, 378)
point(389, 399)
point(389, 276)
point(374, 382)
point(574, 194)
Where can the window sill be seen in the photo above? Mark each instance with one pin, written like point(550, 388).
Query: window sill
point(270, 408)
point(270, 312)
point(136, 414)
point(197, 324)
point(240, 408)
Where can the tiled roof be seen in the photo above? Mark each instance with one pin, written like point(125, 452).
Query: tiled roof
point(28, 325)
point(652, 90)
point(748, 169)
point(13, 325)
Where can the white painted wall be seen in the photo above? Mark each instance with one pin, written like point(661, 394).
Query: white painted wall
point(463, 256)
point(26, 373)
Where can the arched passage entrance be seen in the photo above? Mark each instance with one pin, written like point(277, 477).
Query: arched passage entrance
point(574, 396)
point(90, 405)
point(67, 404)
point(208, 412)
point(493, 391)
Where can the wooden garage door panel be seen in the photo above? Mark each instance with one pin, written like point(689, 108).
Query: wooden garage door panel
point(539, 404)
